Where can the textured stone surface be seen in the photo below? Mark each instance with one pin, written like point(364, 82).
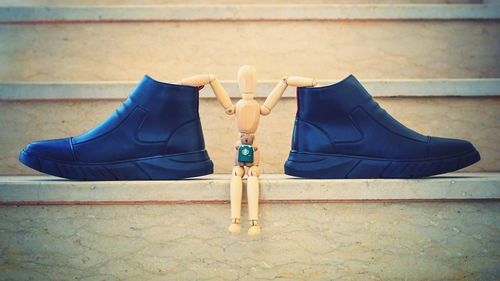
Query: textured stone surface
point(322, 49)
point(343, 241)
point(474, 119)
point(22, 190)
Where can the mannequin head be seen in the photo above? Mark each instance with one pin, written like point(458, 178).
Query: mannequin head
point(247, 81)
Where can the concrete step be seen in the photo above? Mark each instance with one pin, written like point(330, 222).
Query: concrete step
point(77, 3)
point(120, 43)
point(267, 11)
point(468, 109)
point(274, 189)
point(442, 228)
point(118, 90)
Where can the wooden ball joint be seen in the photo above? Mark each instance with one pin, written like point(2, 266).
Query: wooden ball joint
point(247, 154)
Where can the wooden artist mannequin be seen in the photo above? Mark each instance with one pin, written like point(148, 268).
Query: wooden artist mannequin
point(247, 154)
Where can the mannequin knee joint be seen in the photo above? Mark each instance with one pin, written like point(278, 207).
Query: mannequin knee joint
point(254, 171)
point(238, 171)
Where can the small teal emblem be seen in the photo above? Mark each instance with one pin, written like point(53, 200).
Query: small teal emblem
point(245, 154)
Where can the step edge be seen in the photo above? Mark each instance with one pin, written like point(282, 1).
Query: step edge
point(281, 189)
point(216, 202)
point(118, 90)
point(89, 14)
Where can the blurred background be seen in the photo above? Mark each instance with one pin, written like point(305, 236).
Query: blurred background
point(66, 65)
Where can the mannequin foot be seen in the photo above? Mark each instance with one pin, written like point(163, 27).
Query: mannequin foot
point(235, 227)
point(254, 228)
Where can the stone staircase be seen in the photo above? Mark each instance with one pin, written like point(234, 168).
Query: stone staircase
point(441, 228)
point(434, 67)
point(432, 64)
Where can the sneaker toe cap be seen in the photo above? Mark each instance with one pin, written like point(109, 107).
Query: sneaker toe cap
point(57, 149)
point(439, 147)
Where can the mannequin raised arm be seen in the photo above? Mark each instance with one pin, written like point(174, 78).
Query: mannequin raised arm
point(219, 91)
point(278, 91)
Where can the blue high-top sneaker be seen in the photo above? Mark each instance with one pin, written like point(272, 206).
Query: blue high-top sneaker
point(341, 132)
point(155, 134)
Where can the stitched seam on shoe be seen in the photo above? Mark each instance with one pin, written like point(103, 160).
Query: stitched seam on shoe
point(389, 130)
point(356, 126)
point(353, 167)
point(332, 143)
point(142, 170)
point(392, 159)
point(428, 147)
point(115, 127)
point(138, 129)
point(75, 158)
point(167, 141)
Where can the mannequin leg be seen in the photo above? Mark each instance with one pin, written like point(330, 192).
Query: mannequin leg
point(236, 194)
point(253, 200)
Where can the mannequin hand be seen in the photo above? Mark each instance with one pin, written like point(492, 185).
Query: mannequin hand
point(230, 110)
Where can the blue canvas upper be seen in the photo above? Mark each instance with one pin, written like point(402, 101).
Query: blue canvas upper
point(344, 119)
point(341, 132)
point(157, 119)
